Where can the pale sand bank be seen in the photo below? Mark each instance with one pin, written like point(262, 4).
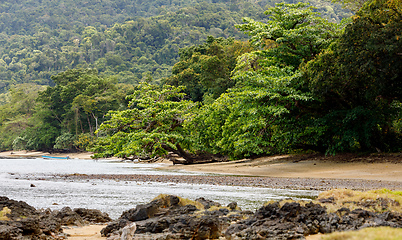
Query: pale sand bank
point(91, 232)
point(38, 154)
point(282, 166)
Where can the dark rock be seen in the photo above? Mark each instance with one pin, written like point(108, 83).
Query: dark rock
point(232, 205)
point(172, 200)
point(188, 209)
point(9, 232)
point(19, 209)
point(206, 228)
point(30, 226)
point(143, 211)
point(293, 221)
point(327, 200)
point(207, 203)
point(67, 216)
point(49, 224)
point(92, 215)
point(165, 219)
point(25, 222)
point(114, 226)
point(219, 212)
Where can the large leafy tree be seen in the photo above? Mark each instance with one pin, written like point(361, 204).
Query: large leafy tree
point(152, 126)
point(262, 113)
point(254, 118)
point(358, 81)
point(294, 33)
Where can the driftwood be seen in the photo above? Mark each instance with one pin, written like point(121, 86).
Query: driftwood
point(195, 159)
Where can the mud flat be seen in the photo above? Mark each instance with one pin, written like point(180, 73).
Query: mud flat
point(266, 182)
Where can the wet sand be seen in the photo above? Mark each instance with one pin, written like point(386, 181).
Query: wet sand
point(320, 184)
point(376, 167)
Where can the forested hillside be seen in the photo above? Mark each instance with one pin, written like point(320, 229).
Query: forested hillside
point(135, 40)
point(205, 80)
point(305, 85)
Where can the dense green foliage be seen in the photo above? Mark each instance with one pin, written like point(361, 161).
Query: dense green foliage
point(58, 115)
point(205, 70)
point(136, 40)
point(358, 82)
point(16, 114)
point(151, 126)
point(256, 115)
point(301, 81)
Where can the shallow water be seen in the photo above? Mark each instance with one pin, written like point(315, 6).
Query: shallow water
point(114, 197)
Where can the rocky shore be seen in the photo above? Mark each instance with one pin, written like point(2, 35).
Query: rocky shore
point(172, 217)
point(320, 184)
point(18, 220)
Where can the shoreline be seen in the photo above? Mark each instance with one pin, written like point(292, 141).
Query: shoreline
point(346, 167)
point(39, 154)
point(314, 184)
point(307, 172)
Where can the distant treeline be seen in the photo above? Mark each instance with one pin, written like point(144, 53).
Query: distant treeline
point(133, 39)
point(195, 82)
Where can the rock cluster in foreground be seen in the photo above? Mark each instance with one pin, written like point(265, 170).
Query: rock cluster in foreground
point(22, 221)
point(172, 217)
point(168, 217)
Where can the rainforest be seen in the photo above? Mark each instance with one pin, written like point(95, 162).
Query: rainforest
point(205, 80)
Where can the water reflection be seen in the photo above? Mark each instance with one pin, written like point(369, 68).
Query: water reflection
point(112, 196)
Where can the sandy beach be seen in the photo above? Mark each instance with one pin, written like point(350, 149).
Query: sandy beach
point(379, 167)
point(37, 154)
point(377, 171)
point(375, 167)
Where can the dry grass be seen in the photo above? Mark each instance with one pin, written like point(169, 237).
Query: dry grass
point(380, 233)
point(375, 200)
point(183, 201)
point(3, 214)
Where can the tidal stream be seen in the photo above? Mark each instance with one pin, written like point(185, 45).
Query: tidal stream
point(31, 180)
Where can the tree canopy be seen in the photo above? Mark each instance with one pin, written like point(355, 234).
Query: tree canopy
point(255, 115)
point(358, 81)
point(301, 83)
point(131, 39)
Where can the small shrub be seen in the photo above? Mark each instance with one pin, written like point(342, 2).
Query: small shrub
point(3, 214)
point(380, 233)
point(375, 200)
point(65, 141)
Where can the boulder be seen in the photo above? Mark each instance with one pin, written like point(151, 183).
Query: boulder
point(207, 203)
point(67, 216)
point(143, 211)
point(25, 222)
point(294, 221)
point(92, 215)
point(166, 218)
point(19, 209)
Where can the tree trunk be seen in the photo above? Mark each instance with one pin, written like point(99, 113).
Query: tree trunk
point(191, 158)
